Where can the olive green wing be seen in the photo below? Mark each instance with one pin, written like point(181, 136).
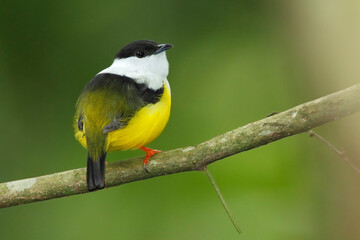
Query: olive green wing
point(113, 100)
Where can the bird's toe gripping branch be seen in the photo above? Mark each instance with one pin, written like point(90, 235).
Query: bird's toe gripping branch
point(149, 153)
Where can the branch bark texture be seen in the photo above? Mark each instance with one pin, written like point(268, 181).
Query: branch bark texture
point(299, 119)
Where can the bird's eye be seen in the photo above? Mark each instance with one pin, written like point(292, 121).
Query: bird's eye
point(140, 53)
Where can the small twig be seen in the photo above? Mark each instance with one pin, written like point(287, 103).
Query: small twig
point(232, 219)
point(340, 153)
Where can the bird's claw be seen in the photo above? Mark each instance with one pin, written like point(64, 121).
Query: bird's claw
point(146, 168)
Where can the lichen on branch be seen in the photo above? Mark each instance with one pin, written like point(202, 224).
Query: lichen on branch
point(296, 120)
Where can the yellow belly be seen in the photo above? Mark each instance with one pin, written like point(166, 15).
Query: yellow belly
point(146, 125)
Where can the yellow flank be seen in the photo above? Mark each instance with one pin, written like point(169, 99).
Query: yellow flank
point(80, 135)
point(146, 125)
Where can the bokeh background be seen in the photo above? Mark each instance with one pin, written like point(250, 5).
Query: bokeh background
point(234, 62)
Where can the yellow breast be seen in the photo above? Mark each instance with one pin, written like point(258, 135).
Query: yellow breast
point(144, 127)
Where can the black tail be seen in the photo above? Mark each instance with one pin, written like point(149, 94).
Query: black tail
point(95, 173)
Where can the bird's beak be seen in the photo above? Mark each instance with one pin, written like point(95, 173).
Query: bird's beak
point(163, 47)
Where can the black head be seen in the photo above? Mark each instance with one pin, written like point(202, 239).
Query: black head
point(142, 48)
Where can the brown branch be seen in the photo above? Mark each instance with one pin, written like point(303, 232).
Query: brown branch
point(293, 121)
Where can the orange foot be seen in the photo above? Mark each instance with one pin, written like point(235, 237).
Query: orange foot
point(149, 154)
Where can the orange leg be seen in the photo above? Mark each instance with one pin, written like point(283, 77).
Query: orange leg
point(149, 154)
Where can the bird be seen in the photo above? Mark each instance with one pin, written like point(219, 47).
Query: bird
point(123, 107)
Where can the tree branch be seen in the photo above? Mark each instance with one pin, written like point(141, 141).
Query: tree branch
point(293, 121)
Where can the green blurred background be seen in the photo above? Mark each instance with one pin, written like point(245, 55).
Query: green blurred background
point(234, 62)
